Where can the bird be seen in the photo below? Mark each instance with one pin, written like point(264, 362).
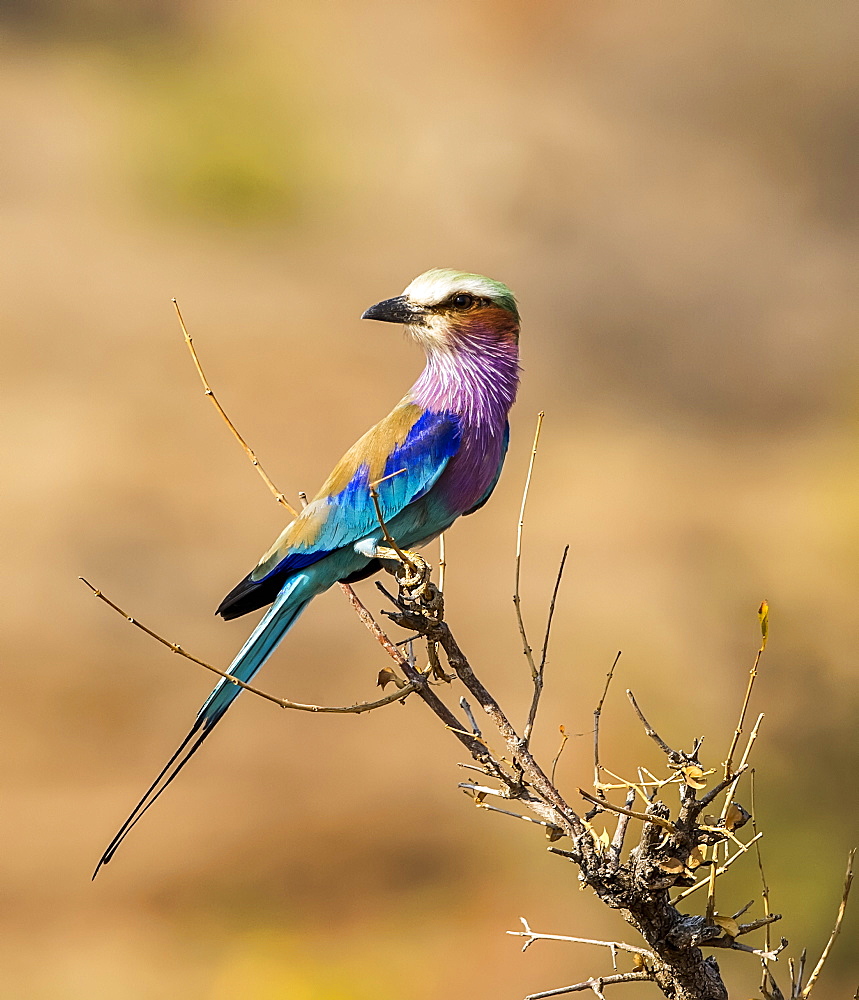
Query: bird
point(435, 457)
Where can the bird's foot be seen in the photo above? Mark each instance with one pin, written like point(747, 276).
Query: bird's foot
point(411, 570)
point(413, 573)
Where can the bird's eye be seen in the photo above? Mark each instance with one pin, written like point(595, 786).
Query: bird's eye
point(462, 301)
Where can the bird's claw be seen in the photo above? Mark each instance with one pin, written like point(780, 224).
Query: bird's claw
point(413, 574)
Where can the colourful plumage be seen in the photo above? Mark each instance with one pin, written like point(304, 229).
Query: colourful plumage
point(441, 448)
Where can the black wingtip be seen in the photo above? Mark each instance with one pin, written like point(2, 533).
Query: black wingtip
point(250, 595)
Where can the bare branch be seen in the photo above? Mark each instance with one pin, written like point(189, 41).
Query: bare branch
point(731, 945)
point(627, 977)
point(612, 945)
point(763, 614)
point(373, 626)
point(705, 800)
point(365, 706)
point(644, 817)
point(517, 601)
point(207, 389)
point(564, 737)
point(672, 755)
point(848, 880)
point(765, 892)
point(620, 830)
point(507, 812)
point(754, 925)
point(597, 712)
point(463, 704)
point(719, 871)
point(538, 678)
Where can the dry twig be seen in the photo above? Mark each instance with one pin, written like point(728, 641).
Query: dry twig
point(625, 977)
point(538, 678)
point(517, 600)
point(207, 389)
point(400, 694)
point(597, 714)
point(836, 930)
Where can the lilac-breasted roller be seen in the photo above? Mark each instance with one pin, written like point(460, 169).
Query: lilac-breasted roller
point(436, 456)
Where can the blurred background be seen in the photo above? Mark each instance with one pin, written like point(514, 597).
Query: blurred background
point(670, 189)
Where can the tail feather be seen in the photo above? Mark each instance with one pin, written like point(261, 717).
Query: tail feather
point(262, 642)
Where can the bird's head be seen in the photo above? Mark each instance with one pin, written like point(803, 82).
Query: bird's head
point(442, 306)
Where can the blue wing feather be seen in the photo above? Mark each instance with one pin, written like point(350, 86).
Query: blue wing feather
point(412, 468)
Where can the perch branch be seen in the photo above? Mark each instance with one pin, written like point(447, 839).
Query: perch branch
point(363, 613)
point(365, 706)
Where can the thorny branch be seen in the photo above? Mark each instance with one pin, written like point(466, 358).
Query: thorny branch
point(669, 850)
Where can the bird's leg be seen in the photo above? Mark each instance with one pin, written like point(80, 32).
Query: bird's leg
point(412, 572)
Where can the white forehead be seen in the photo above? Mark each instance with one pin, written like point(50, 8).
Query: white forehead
point(435, 286)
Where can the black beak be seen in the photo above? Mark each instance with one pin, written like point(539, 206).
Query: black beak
point(396, 310)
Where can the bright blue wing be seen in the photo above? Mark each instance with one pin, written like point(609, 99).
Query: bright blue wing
point(331, 522)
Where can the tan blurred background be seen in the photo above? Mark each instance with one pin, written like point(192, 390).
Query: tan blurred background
point(671, 191)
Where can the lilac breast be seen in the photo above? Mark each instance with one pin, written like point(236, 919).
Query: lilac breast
point(474, 469)
point(477, 381)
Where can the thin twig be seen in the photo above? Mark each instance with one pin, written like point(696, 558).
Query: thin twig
point(564, 737)
point(207, 389)
point(373, 626)
point(731, 945)
point(765, 891)
point(515, 815)
point(597, 712)
point(442, 561)
point(365, 615)
point(551, 614)
point(625, 977)
point(366, 706)
point(643, 817)
point(717, 789)
point(754, 925)
point(538, 678)
point(672, 755)
point(744, 763)
point(763, 614)
point(612, 945)
point(719, 871)
point(848, 879)
point(620, 830)
point(463, 704)
point(517, 602)
point(800, 974)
